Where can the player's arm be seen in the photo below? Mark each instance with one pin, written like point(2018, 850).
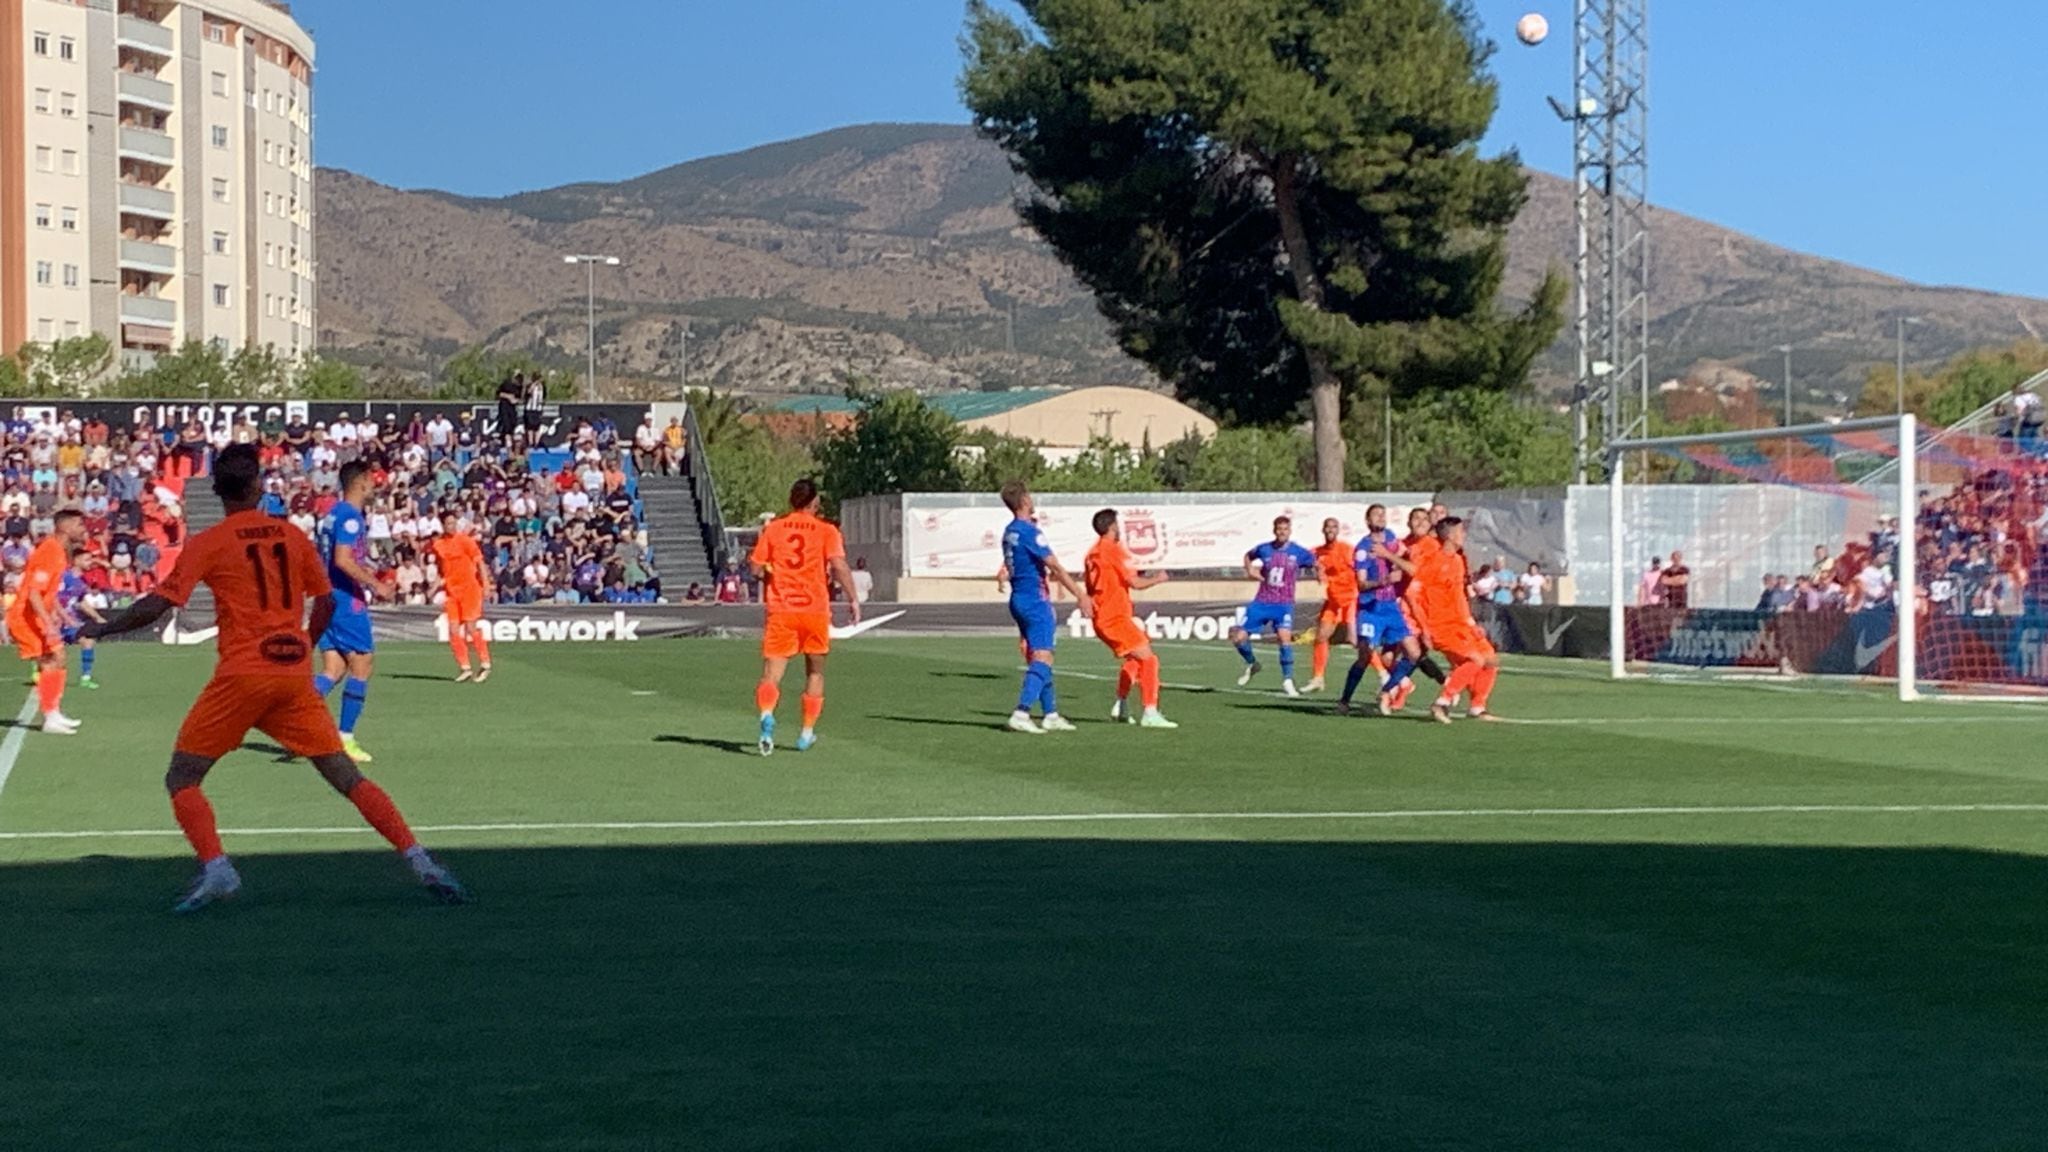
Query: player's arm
point(141, 614)
point(357, 571)
point(46, 612)
point(1252, 564)
point(757, 560)
point(1003, 579)
point(1381, 551)
point(1061, 577)
point(91, 612)
point(1140, 582)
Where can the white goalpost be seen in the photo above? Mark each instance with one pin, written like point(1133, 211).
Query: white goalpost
point(1801, 551)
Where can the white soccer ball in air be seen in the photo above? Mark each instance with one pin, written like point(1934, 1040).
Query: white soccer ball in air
point(1532, 29)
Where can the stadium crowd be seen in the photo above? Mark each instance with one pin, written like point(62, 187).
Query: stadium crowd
point(559, 524)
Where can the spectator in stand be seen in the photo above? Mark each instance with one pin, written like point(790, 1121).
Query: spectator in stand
point(1676, 581)
point(1485, 583)
point(675, 441)
point(647, 447)
point(1806, 596)
point(533, 408)
point(1533, 585)
point(1873, 585)
point(863, 580)
point(1650, 588)
point(731, 589)
point(1943, 590)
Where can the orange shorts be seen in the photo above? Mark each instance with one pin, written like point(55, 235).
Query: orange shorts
point(465, 607)
point(284, 708)
point(1343, 612)
point(30, 641)
point(789, 633)
point(1462, 645)
point(1122, 634)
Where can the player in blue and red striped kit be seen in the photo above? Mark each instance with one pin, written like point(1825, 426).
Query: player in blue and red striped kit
point(1277, 568)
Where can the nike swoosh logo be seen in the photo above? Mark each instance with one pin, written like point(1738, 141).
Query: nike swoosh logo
point(173, 635)
point(1551, 636)
point(1867, 654)
point(868, 625)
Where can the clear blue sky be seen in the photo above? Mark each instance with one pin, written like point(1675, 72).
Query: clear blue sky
point(1881, 132)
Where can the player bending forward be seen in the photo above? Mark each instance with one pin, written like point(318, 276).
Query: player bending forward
point(791, 559)
point(1111, 575)
point(1033, 569)
point(35, 619)
point(464, 576)
point(1443, 606)
point(1335, 563)
point(1275, 566)
point(262, 572)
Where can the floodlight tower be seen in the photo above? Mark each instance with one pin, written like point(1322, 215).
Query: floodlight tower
point(1609, 115)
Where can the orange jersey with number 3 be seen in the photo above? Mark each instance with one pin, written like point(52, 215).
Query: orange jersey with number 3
point(262, 571)
point(459, 558)
point(1337, 563)
point(795, 548)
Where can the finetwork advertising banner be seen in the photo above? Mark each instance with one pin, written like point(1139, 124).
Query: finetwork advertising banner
point(967, 542)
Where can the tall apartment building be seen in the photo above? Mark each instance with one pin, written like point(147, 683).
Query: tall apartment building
point(156, 174)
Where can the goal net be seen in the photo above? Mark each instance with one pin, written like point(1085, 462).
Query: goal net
point(1826, 553)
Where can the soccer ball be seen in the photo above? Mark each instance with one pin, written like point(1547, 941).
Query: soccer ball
point(1532, 29)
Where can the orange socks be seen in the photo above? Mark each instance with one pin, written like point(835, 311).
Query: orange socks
point(1462, 677)
point(50, 689)
point(814, 707)
point(460, 644)
point(195, 816)
point(381, 814)
point(483, 647)
point(765, 696)
point(1482, 688)
point(1321, 661)
point(1148, 681)
point(1126, 677)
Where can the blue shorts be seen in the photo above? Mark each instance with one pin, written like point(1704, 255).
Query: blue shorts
point(1036, 623)
point(70, 633)
point(1382, 624)
point(349, 634)
point(1260, 616)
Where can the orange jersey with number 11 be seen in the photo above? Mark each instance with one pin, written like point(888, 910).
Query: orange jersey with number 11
point(795, 549)
point(261, 571)
point(1108, 572)
point(459, 557)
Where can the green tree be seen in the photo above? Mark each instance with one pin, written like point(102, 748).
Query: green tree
point(1279, 205)
point(475, 373)
point(69, 367)
point(318, 378)
point(1104, 466)
point(195, 371)
point(989, 460)
point(896, 443)
point(1959, 387)
point(1254, 460)
point(753, 472)
point(720, 415)
point(1472, 439)
point(1176, 465)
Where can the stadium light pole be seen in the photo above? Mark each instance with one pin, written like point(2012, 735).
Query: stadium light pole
point(1787, 350)
point(590, 263)
point(1903, 321)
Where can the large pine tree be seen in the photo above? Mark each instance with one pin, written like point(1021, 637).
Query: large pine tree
point(1274, 201)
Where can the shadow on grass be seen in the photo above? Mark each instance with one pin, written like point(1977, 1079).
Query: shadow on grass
point(973, 675)
point(737, 747)
point(421, 676)
point(1033, 994)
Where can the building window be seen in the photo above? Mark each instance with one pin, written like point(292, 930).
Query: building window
point(220, 295)
point(67, 48)
point(220, 135)
point(43, 101)
point(46, 330)
point(46, 160)
point(71, 329)
point(216, 31)
point(220, 243)
point(67, 219)
point(44, 271)
point(270, 151)
point(269, 100)
point(269, 256)
point(71, 275)
point(42, 44)
point(220, 190)
point(220, 83)
point(67, 105)
point(270, 305)
point(71, 162)
point(42, 215)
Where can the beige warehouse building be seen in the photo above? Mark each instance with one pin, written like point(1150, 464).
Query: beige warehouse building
point(1061, 422)
point(156, 174)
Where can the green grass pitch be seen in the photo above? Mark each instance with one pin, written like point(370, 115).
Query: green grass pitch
point(1650, 917)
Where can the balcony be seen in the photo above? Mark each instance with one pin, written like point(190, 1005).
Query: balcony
point(143, 256)
point(146, 201)
point(148, 310)
point(144, 144)
point(147, 35)
point(148, 91)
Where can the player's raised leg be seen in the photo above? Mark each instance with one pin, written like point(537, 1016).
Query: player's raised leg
point(1242, 641)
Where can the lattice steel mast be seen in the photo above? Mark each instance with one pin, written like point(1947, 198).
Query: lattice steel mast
point(1609, 115)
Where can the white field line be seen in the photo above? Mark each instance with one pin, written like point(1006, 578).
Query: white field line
point(1105, 818)
point(10, 748)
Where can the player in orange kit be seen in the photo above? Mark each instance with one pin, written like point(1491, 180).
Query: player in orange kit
point(1442, 605)
point(1340, 601)
point(1111, 575)
point(791, 558)
point(36, 622)
point(464, 576)
point(262, 572)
